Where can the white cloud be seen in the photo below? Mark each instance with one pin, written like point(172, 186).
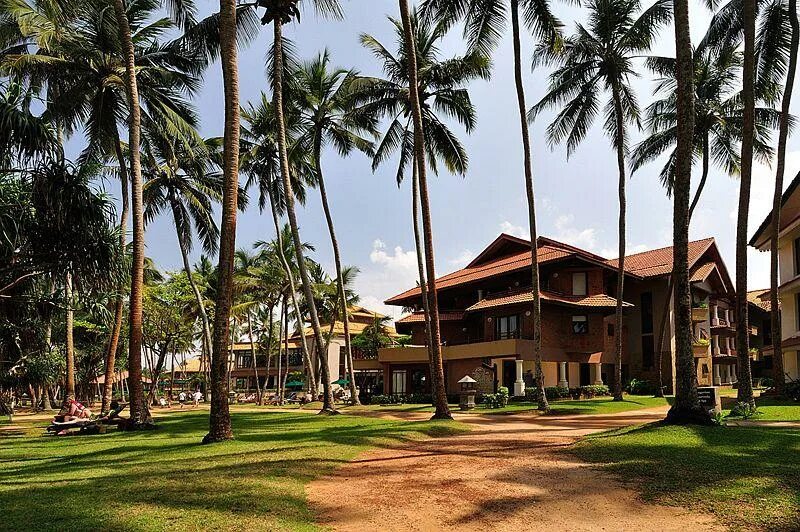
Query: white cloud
point(462, 259)
point(389, 272)
point(514, 230)
point(569, 234)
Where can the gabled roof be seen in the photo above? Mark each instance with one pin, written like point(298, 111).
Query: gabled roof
point(760, 298)
point(526, 296)
point(419, 317)
point(790, 205)
point(505, 254)
point(658, 262)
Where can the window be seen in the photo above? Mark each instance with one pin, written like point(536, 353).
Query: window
point(580, 324)
point(797, 256)
point(295, 357)
point(506, 327)
point(648, 352)
point(244, 361)
point(579, 283)
point(610, 330)
point(647, 312)
point(399, 381)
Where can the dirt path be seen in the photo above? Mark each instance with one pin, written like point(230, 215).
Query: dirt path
point(506, 474)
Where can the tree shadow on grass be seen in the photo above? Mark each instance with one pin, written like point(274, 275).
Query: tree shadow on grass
point(166, 478)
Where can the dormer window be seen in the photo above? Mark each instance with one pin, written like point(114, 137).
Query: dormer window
point(580, 283)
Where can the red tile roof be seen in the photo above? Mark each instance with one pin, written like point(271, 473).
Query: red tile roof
point(702, 273)
point(760, 298)
point(418, 317)
point(515, 262)
point(659, 261)
point(525, 296)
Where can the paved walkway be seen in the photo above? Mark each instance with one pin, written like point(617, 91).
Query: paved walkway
point(505, 474)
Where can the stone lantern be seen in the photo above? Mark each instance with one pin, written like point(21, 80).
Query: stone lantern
point(467, 393)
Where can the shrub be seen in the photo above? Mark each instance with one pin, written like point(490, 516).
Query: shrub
point(640, 387)
point(594, 390)
point(793, 390)
point(575, 393)
point(532, 394)
point(744, 410)
point(556, 392)
point(496, 400)
point(387, 400)
point(419, 398)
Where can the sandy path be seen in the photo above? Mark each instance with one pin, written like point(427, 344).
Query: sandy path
point(506, 474)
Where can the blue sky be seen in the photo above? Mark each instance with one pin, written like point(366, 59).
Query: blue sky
point(576, 198)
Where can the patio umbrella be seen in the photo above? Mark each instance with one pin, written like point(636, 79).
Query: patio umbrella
point(294, 384)
point(341, 382)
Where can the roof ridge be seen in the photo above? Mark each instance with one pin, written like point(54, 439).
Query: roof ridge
point(664, 248)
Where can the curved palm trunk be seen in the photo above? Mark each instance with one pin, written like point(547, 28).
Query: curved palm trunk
point(745, 384)
point(526, 148)
point(686, 407)
point(281, 334)
point(119, 304)
point(253, 355)
point(339, 279)
point(621, 235)
point(206, 338)
point(439, 385)
point(269, 356)
point(662, 328)
point(69, 382)
point(139, 411)
point(779, 376)
point(219, 418)
point(327, 403)
point(312, 379)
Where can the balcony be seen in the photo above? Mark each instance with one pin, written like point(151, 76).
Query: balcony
point(700, 349)
point(699, 314)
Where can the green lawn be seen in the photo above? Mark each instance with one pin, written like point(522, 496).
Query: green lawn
point(748, 477)
point(165, 479)
point(772, 409)
point(597, 405)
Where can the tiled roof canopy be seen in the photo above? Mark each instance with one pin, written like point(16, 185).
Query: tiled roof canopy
point(419, 317)
point(760, 298)
point(659, 261)
point(526, 296)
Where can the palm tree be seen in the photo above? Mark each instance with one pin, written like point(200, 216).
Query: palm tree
point(219, 418)
point(441, 92)
point(484, 23)
point(185, 180)
point(325, 100)
point(437, 366)
point(599, 58)
point(717, 129)
point(780, 167)
point(261, 162)
point(279, 12)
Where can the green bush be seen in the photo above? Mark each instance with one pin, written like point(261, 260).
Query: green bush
point(793, 390)
point(496, 400)
point(640, 387)
point(744, 410)
point(419, 398)
point(594, 390)
point(387, 400)
point(532, 394)
point(556, 392)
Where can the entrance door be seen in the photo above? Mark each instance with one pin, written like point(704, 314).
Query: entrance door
point(509, 374)
point(585, 375)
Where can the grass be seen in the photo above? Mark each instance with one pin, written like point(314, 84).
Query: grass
point(597, 405)
point(772, 409)
point(748, 477)
point(165, 479)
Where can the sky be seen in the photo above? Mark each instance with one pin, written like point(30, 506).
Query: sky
point(576, 197)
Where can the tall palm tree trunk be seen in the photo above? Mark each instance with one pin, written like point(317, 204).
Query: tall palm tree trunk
point(119, 304)
point(686, 407)
point(198, 297)
point(269, 356)
point(139, 411)
point(327, 402)
point(745, 384)
point(439, 384)
point(423, 285)
point(278, 380)
point(662, 328)
point(219, 418)
point(339, 279)
point(621, 236)
point(69, 381)
point(779, 377)
point(253, 355)
point(312, 379)
point(529, 191)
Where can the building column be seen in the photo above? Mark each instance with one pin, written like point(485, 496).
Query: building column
point(714, 315)
point(598, 374)
point(734, 378)
point(562, 375)
point(519, 384)
point(717, 379)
